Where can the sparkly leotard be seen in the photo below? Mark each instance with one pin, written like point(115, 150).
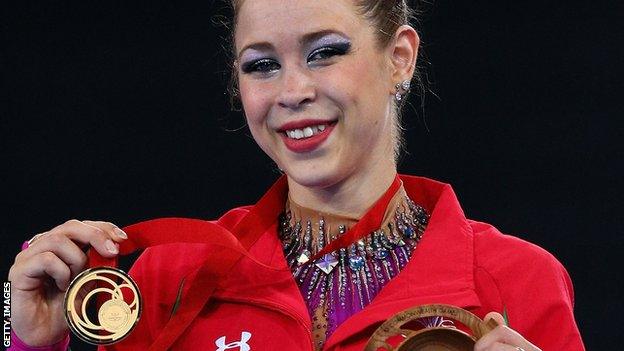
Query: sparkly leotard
point(340, 284)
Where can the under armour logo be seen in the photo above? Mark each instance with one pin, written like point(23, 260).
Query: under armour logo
point(242, 344)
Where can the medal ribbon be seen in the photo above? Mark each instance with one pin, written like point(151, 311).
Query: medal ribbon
point(205, 279)
point(370, 222)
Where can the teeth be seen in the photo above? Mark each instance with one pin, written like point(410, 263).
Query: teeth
point(305, 132)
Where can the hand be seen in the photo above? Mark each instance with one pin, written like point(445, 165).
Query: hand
point(503, 338)
point(41, 274)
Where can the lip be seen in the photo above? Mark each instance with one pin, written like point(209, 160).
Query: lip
point(306, 144)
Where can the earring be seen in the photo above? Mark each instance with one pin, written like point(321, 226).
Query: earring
point(402, 89)
point(406, 85)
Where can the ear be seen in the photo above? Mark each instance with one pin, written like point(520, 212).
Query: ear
point(404, 53)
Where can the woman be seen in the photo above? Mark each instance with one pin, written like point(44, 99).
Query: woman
point(321, 84)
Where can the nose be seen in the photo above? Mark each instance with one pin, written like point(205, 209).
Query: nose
point(297, 89)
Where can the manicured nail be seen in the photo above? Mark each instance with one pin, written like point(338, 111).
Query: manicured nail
point(120, 233)
point(111, 247)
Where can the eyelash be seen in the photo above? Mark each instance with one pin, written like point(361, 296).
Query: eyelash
point(332, 50)
point(266, 65)
point(261, 65)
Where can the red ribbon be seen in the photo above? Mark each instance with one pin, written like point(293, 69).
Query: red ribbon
point(204, 280)
point(370, 222)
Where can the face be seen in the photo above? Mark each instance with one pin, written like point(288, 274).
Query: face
point(316, 89)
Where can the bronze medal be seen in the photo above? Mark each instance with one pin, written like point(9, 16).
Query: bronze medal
point(438, 338)
point(116, 317)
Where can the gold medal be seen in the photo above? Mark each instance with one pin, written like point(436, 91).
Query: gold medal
point(116, 317)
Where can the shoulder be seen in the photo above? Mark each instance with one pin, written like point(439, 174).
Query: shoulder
point(528, 284)
point(518, 267)
point(494, 249)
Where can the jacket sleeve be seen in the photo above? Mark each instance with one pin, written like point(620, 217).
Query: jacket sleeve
point(534, 289)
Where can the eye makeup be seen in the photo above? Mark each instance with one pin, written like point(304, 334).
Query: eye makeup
point(331, 40)
point(317, 46)
point(328, 45)
point(253, 61)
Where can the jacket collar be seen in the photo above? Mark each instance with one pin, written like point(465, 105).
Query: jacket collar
point(440, 269)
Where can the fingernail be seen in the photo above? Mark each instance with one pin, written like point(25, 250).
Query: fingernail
point(120, 233)
point(111, 247)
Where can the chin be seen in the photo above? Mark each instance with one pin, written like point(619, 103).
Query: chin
point(315, 177)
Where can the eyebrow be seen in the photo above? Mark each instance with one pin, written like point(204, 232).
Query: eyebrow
point(306, 39)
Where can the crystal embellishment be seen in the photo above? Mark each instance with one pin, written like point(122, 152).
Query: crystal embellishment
point(409, 232)
point(304, 257)
point(406, 85)
point(327, 263)
point(343, 282)
point(381, 254)
point(356, 263)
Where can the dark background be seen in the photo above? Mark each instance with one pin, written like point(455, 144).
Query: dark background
point(117, 111)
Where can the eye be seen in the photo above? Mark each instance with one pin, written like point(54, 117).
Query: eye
point(261, 66)
point(327, 52)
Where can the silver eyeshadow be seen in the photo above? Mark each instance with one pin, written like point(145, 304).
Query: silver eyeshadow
point(333, 41)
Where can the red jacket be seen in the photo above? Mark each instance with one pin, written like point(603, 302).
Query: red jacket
point(458, 261)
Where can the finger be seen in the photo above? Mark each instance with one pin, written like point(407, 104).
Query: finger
point(31, 273)
point(87, 234)
point(497, 346)
point(63, 248)
point(116, 233)
point(495, 316)
point(503, 335)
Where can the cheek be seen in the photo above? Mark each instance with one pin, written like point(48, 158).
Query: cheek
point(256, 107)
point(361, 83)
point(367, 100)
point(361, 91)
point(256, 101)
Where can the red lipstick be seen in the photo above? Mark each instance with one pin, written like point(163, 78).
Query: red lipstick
point(306, 144)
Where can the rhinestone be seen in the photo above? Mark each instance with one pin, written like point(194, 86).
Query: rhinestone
point(381, 254)
point(304, 257)
point(409, 232)
point(327, 263)
point(406, 85)
point(356, 262)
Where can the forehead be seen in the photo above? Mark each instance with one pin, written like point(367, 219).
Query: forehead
point(261, 20)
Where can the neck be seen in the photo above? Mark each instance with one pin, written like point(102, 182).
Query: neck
point(351, 197)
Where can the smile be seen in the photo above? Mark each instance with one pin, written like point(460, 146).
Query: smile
point(306, 132)
point(307, 135)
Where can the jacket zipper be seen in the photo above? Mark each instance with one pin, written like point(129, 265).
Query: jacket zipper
point(277, 307)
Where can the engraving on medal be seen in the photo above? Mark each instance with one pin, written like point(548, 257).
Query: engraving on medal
point(433, 331)
point(116, 317)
